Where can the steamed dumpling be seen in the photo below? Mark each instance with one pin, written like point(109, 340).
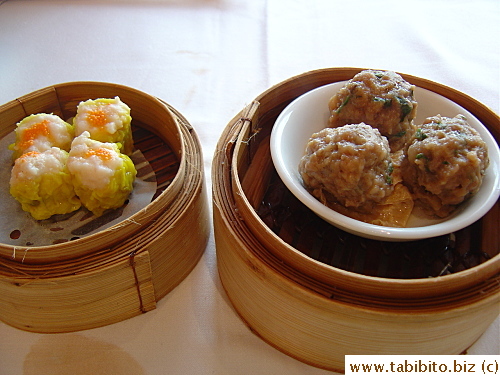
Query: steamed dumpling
point(102, 176)
point(106, 120)
point(40, 132)
point(40, 181)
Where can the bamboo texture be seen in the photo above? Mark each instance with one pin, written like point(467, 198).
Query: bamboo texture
point(312, 310)
point(123, 271)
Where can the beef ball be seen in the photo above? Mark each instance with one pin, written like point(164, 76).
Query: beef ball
point(445, 164)
point(381, 99)
point(351, 164)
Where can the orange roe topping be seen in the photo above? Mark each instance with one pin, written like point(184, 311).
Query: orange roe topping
point(23, 157)
point(102, 153)
point(29, 135)
point(97, 118)
point(29, 154)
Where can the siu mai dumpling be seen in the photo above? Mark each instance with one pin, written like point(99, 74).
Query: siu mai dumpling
point(103, 177)
point(41, 182)
point(106, 120)
point(40, 132)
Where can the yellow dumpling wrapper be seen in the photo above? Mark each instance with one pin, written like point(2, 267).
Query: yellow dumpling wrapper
point(106, 120)
point(43, 185)
point(103, 177)
point(40, 132)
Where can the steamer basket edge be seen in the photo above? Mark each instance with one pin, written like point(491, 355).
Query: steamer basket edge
point(256, 273)
point(287, 316)
point(67, 96)
point(326, 273)
point(131, 278)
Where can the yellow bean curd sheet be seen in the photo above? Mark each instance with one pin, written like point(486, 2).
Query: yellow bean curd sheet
point(18, 228)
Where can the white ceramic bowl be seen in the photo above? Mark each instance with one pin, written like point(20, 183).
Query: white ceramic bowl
point(309, 113)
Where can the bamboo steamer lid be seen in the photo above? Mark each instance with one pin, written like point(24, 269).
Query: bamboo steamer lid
point(124, 270)
point(303, 305)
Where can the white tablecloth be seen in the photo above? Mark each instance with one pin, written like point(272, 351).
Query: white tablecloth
point(208, 59)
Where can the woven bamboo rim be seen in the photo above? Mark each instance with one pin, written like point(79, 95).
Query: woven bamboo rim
point(271, 103)
point(108, 277)
point(62, 100)
point(303, 306)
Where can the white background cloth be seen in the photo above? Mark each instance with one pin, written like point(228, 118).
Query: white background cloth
point(208, 59)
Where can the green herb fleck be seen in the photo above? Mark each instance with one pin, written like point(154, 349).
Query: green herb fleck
point(405, 105)
point(346, 100)
point(390, 168)
point(388, 176)
point(387, 102)
point(400, 134)
point(420, 135)
point(426, 161)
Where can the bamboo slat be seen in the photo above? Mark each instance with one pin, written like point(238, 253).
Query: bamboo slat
point(121, 272)
point(318, 302)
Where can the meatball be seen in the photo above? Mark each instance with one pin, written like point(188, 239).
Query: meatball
point(445, 164)
point(349, 164)
point(381, 99)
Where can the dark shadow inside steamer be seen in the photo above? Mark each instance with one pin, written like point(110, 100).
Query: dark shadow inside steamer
point(159, 154)
point(302, 229)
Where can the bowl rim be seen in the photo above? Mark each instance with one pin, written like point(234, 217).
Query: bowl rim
point(281, 94)
point(457, 221)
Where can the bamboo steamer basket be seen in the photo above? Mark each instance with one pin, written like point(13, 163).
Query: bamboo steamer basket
point(120, 272)
point(317, 303)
